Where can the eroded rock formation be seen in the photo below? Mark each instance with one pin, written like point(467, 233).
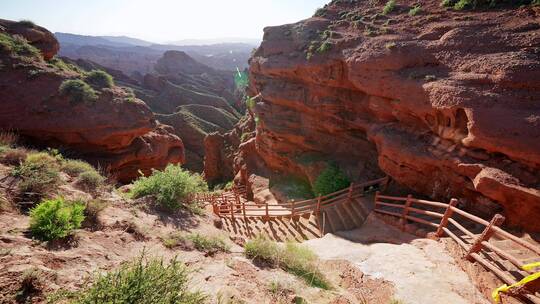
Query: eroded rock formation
point(115, 131)
point(447, 103)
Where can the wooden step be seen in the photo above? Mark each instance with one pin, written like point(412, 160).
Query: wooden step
point(354, 215)
point(332, 221)
point(360, 210)
point(344, 218)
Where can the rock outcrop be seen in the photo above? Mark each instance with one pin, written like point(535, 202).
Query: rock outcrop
point(115, 130)
point(447, 103)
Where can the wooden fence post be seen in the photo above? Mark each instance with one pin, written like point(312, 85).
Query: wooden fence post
point(318, 208)
point(267, 213)
point(349, 198)
point(292, 209)
point(405, 211)
point(376, 198)
point(231, 204)
point(488, 232)
point(447, 214)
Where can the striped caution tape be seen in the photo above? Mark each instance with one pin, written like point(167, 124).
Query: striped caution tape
point(504, 288)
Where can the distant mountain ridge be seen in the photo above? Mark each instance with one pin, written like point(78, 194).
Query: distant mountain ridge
point(131, 55)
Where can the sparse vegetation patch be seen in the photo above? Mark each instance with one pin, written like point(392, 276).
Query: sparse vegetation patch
point(55, 219)
point(78, 91)
point(330, 180)
point(389, 7)
point(39, 174)
point(171, 187)
point(18, 45)
point(293, 258)
point(144, 280)
point(100, 79)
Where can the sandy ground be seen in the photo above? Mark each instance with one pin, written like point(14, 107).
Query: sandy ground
point(420, 269)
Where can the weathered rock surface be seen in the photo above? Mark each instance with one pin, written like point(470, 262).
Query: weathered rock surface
point(446, 103)
point(116, 131)
point(38, 36)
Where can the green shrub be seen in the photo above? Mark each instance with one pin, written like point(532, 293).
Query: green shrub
point(18, 45)
point(209, 244)
point(28, 23)
point(463, 4)
point(74, 167)
point(330, 180)
point(142, 281)
point(325, 47)
point(39, 173)
point(390, 45)
point(170, 187)
point(302, 262)
point(262, 250)
point(63, 66)
point(90, 180)
point(100, 79)
point(55, 219)
point(415, 10)
point(389, 7)
point(295, 259)
point(320, 12)
point(77, 90)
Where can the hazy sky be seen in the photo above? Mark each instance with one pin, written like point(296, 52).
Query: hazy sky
point(160, 20)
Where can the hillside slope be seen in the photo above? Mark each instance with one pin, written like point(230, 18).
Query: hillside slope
point(49, 103)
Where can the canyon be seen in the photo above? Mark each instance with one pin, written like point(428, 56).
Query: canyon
point(444, 102)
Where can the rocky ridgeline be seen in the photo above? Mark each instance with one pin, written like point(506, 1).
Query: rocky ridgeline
point(107, 126)
point(445, 102)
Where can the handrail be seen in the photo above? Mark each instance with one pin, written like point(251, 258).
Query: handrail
point(479, 242)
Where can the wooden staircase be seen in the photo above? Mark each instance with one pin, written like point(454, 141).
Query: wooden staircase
point(347, 215)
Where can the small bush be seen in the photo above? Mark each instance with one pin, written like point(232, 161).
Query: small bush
point(28, 23)
point(320, 12)
point(78, 91)
point(415, 10)
point(90, 180)
point(91, 213)
point(100, 79)
point(55, 219)
point(390, 45)
point(207, 244)
point(295, 259)
point(330, 180)
point(170, 187)
point(18, 45)
point(389, 7)
point(302, 262)
point(39, 174)
point(8, 138)
point(75, 167)
point(13, 156)
point(262, 250)
point(325, 47)
point(143, 281)
point(63, 66)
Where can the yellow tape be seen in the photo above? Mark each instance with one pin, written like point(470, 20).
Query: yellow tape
point(531, 266)
point(504, 288)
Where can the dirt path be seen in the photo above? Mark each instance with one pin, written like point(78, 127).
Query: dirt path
point(420, 269)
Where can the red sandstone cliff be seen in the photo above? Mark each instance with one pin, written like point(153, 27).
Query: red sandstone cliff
point(447, 103)
point(115, 131)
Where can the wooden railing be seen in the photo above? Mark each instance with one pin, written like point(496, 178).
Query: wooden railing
point(450, 220)
point(232, 204)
